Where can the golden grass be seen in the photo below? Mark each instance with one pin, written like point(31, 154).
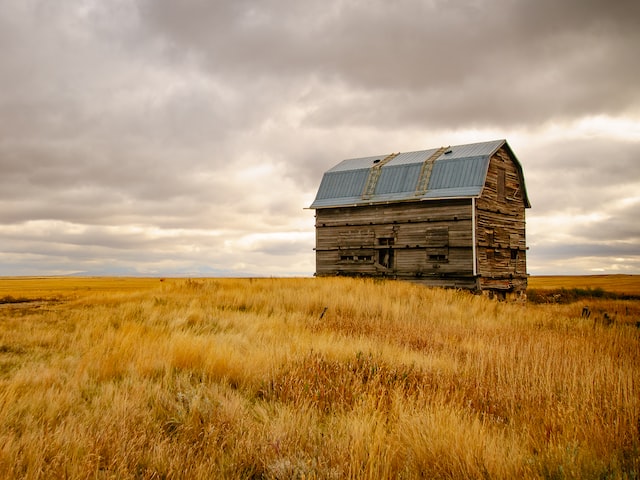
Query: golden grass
point(311, 378)
point(48, 287)
point(629, 284)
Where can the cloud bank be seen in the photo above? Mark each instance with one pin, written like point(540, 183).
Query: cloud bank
point(155, 137)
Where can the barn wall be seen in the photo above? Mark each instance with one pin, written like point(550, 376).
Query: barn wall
point(426, 241)
point(500, 227)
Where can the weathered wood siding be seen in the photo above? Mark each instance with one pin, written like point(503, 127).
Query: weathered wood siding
point(500, 227)
point(430, 241)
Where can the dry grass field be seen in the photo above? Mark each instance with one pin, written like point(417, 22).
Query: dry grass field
point(626, 284)
point(311, 378)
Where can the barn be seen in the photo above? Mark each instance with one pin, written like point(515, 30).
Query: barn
point(451, 216)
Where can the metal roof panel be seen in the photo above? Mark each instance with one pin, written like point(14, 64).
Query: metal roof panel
point(411, 157)
point(472, 150)
point(338, 185)
point(458, 172)
point(356, 163)
point(458, 192)
point(398, 178)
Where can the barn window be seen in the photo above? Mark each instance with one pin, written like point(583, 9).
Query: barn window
point(514, 254)
point(437, 243)
point(385, 254)
point(356, 256)
point(501, 184)
point(490, 253)
point(489, 237)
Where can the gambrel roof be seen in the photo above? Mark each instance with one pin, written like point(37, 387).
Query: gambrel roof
point(449, 172)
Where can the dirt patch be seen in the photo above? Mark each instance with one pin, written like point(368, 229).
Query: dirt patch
point(24, 305)
point(571, 295)
point(11, 349)
point(8, 299)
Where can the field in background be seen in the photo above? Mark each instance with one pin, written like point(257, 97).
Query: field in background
point(624, 284)
point(312, 378)
point(51, 287)
point(55, 286)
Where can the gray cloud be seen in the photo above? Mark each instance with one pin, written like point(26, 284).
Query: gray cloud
point(161, 136)
point(431, 63)
point(620, 228)
point(582, 175)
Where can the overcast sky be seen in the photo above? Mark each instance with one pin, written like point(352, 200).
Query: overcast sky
point(163, 137)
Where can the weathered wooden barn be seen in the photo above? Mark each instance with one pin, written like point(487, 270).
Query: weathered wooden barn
point(452, 216)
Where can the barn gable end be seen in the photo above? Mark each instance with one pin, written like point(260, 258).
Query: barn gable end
point(450, 216)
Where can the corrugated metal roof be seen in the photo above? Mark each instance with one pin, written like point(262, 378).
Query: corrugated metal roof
point(412, 157)
point(474, 149)
point(398, 178)
point(356, 163)
point(460, 171)
point(342, 184)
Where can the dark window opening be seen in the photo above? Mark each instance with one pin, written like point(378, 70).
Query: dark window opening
point(490, 254)
point(514, 259)
point(385, 255)
point(438, 257)
point(356, 258)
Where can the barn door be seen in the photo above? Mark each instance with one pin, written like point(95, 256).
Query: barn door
point(385, 252)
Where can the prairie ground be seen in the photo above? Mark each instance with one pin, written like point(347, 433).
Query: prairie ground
point(623, 284)
point(312, 378)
